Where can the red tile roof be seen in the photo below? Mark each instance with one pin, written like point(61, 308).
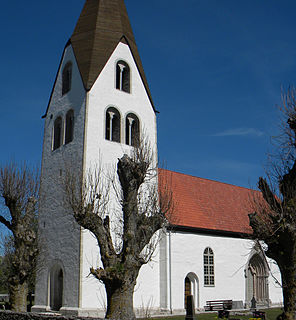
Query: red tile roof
point(209, 205)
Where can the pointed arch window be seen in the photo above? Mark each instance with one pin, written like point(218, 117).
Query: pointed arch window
point(123, 76)
point(69, 126)
point(57, 133)
point(132, 130)
point(112, 125)
point(209, 274)
point(67, 78)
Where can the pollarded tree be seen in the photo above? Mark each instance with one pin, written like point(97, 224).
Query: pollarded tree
point(19, 187)
point(126, 242)
point(3, 278)
point(274, 222)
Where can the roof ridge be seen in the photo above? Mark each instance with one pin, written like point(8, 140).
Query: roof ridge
point(92, 60)
point(121, 22)
point(91, 55)
point(207, 179)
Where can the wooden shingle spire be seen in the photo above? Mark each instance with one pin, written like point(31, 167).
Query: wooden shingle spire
point(100, 27)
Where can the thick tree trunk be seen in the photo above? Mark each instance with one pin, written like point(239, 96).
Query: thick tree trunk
point(289, 292)
point(120, 302)
point(120, 291)
point(18, 297)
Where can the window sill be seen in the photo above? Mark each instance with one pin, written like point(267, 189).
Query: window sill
point(123, 91)
point(62, 147)
point(121, 143)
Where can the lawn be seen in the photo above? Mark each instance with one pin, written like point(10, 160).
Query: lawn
point(271, 314)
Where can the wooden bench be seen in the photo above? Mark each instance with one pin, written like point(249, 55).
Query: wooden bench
point(215, 305)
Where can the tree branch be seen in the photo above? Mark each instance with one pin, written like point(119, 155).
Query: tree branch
point(100, 228)
point(268, 195)
point(146, 232)
point(6, 223)
point(288, 184)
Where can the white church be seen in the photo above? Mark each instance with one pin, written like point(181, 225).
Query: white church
point(99, 105)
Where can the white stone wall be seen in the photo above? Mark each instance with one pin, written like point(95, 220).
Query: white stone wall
point(99, 150)
point(275, 281)
point(231, 256)
point(74, 251)
point(103, 95)
point(59, 233)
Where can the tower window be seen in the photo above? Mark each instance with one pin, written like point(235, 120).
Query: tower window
point(69, 126)
point(132, 132)
point(122, 76)
point(112, 125)
point(209, 275)
point(67, 78)
point(57, 133)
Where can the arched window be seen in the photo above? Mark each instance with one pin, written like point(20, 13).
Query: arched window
point(122, 76)
point(57, 133)
point(69, 126)
point(112, 125)
point(132, 130)
point(209, 275)
point(67, 78)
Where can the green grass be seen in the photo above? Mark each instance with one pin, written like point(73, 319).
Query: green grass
point(271, 314)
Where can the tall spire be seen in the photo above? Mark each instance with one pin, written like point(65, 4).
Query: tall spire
point(100, 27)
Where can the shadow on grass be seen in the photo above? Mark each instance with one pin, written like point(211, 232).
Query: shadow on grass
point(271, 314)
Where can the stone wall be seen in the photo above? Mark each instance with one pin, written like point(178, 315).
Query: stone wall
point(9, 315)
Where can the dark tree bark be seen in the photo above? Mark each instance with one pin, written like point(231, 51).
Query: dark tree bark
point(139, 224)
point(19, 191)
point(18, 297)
point(120, 295)
point(274, 221)
point(275, 225)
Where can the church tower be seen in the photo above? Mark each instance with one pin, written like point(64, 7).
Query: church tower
point(99, 106)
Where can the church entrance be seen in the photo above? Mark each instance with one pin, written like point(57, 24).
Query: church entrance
point(56, 288)
point(187, 290)
point(257, 281)
point(191, 287)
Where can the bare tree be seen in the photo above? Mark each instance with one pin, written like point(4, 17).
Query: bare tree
point(19, 187)
point(126, 240)
point(3, 277)
point(274, 221)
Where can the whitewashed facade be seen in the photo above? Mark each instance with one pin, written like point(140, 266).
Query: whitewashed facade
point(182, 256)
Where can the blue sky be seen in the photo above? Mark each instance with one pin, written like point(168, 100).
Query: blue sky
point(215, 70)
